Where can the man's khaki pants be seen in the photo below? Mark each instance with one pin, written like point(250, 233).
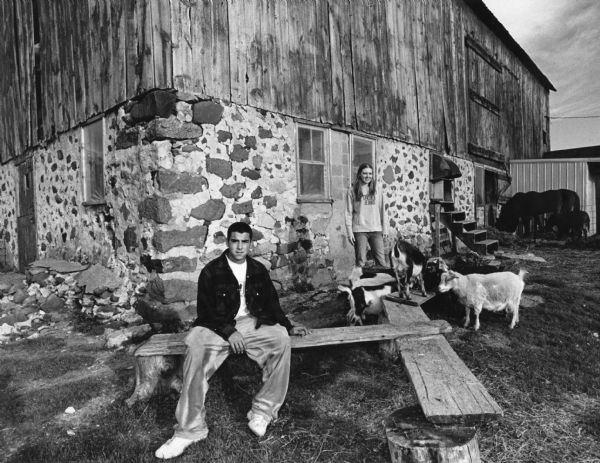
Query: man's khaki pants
point(268, 346)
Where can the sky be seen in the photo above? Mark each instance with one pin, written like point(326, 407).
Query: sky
point(563, 38)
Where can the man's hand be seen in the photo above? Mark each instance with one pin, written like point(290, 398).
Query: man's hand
point(236, 341)
point(299, 330)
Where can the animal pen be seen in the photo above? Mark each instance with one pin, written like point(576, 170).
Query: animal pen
point(580, 175)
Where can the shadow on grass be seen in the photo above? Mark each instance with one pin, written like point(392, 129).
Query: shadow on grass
point(323, 418)
point(11, 403)
point(132, 436)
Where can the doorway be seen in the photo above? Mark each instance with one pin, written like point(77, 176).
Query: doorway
point(487, 193)
point(26, 229)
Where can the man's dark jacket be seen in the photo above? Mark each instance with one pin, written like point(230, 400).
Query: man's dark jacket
point(219, 297)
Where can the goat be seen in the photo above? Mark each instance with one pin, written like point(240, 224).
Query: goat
point(364, 294)
point(407, 263)
point(494, 291)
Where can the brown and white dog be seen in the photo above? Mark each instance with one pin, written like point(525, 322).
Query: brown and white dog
point(407, 263)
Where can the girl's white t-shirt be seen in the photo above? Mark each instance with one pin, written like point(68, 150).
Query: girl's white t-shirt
point(239, 270)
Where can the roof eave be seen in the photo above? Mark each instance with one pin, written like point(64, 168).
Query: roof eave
point(483, 13)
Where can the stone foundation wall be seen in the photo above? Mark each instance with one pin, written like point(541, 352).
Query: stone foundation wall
point(403, 172)
point(179, 171)
point(67, 228)
point(464, 193)
point(9, 258)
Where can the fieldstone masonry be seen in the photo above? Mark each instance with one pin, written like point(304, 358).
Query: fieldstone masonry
point(8, 217)
point(179, 171)
point(404, 170)
point(464, 194)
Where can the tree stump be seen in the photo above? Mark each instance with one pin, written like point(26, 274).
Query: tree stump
point(155, 373)
point(412, 439)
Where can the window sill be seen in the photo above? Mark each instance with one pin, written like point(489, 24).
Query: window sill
point(314, 200)
point(95, 202)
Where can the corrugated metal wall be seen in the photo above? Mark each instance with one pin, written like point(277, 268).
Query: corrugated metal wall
point(551, 174)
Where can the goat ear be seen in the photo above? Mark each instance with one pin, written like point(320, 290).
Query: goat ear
point(443, 265)
point(452, 274)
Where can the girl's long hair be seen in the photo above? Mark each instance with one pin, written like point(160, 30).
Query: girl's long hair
point(356, 185)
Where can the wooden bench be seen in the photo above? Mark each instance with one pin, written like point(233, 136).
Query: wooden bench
point(158, 360)
point(446, 389)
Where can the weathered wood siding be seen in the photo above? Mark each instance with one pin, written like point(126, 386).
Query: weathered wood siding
point(426, 71)
point(93, 55)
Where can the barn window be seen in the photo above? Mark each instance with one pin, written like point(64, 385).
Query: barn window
point(92, 136)
point(363, 151)
point(313, 160)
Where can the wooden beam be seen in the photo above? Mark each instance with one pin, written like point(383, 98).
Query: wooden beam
point(446, 389)
point(173, 344)
point(486, 154)
point(484, 102)
point(483, 52)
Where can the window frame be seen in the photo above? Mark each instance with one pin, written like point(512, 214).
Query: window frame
point(326, 195)
point(86, 177)
point(373, 162)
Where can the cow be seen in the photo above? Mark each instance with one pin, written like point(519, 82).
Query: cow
point(573, 224)
point(530, 207)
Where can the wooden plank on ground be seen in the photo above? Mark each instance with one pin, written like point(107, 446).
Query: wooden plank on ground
point(402, 315)
point(173, 344)
point(416, 298)
point(446, 389)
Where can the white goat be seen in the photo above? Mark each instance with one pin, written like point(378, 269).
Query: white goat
point(494, 291)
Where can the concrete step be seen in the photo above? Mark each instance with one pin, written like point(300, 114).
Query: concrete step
point(486, 246)
point(472, 236)
point(464, 225)
point(454, 216)
point(447, 206)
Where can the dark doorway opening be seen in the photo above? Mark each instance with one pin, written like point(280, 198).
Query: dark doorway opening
point(26, 229)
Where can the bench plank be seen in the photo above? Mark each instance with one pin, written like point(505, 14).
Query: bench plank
point(173, 344)
point(446, 389)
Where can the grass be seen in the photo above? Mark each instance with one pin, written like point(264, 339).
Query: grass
point(545, 374)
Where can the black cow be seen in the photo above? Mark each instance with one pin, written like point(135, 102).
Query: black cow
point(573, 224)
point(531, 207)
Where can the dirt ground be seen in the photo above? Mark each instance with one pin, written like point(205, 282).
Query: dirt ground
point(545, 374)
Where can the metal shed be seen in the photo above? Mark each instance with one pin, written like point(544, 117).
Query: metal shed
point(580, 175)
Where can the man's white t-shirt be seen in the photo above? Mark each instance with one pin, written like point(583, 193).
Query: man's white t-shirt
point(239, 270)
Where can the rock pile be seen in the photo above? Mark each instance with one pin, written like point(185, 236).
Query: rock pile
point(52, 291)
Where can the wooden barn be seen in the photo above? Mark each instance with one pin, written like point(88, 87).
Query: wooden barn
point(133, 132)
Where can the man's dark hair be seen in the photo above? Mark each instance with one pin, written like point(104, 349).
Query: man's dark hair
point(239, 227)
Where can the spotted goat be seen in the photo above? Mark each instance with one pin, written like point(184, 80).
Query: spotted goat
point(365, 292)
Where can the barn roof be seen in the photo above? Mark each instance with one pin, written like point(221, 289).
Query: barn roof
point(582, 152)
point(488, 18)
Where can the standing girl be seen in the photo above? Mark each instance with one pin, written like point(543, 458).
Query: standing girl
point(366, 219)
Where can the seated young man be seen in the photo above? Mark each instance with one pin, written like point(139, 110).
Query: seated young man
point(239, 312)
